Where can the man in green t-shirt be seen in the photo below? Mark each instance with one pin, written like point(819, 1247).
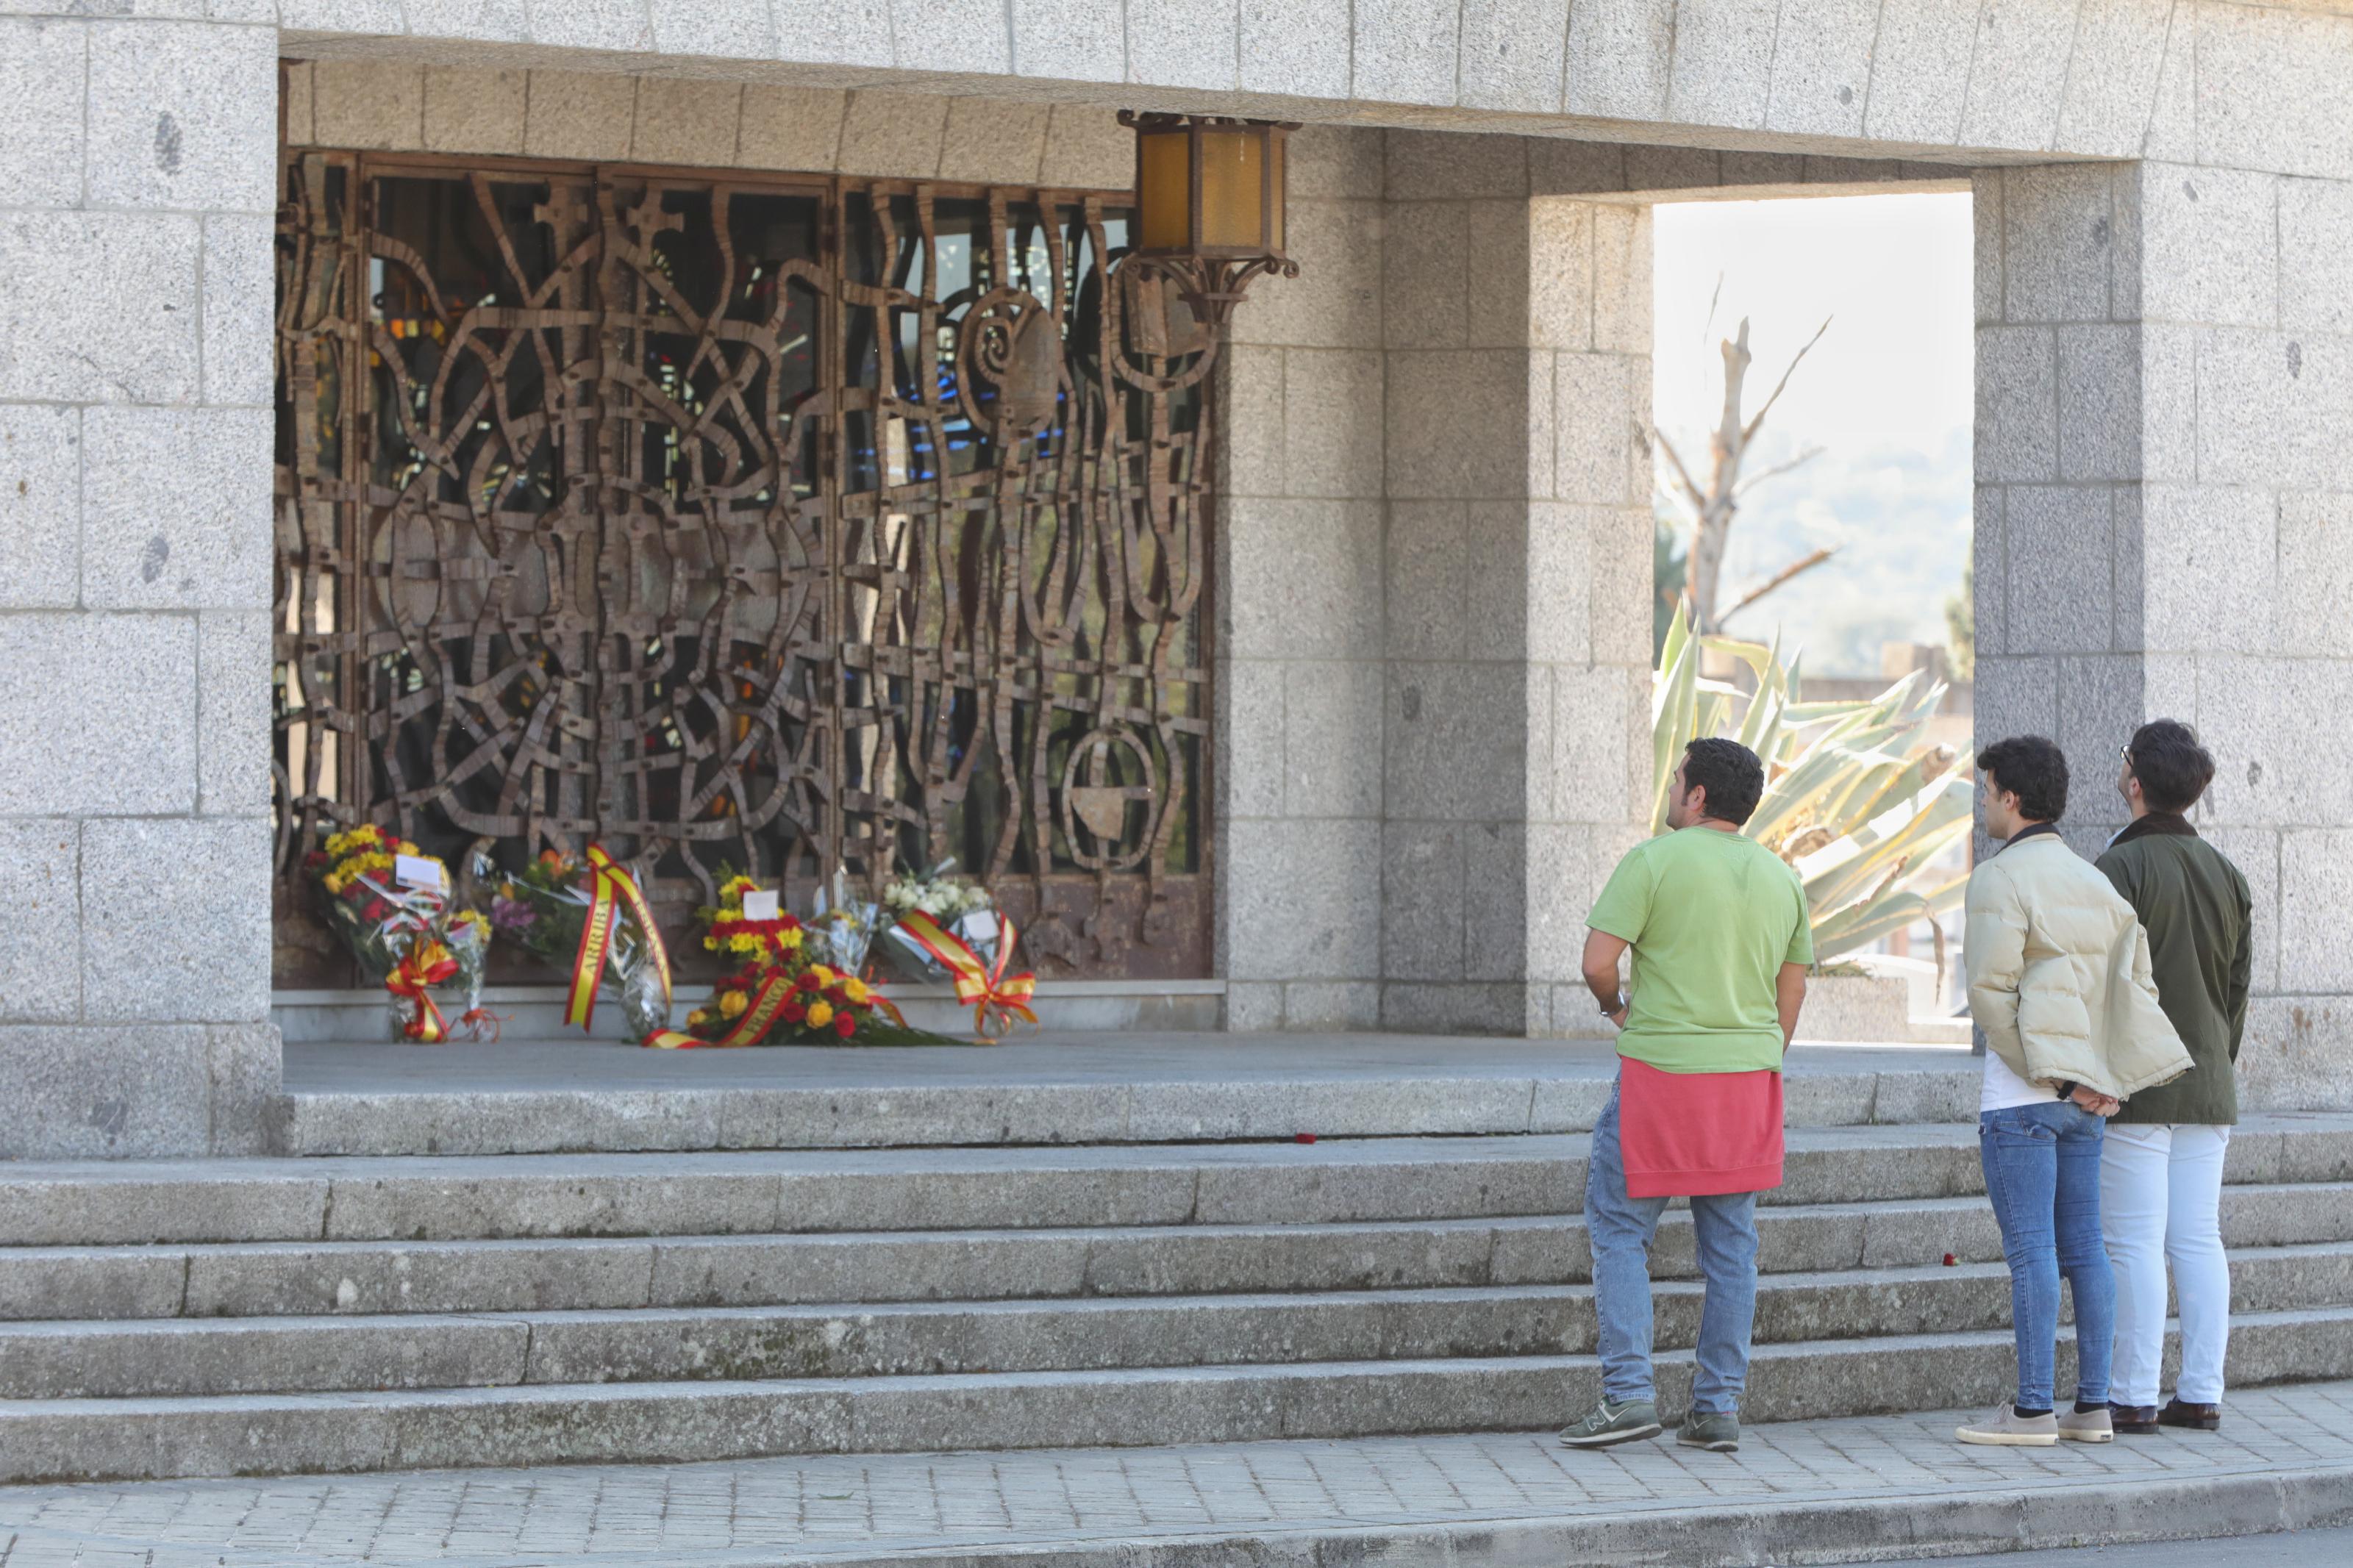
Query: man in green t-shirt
point(1719, 931)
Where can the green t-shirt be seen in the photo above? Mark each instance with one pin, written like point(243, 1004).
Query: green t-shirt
point(1711, 917)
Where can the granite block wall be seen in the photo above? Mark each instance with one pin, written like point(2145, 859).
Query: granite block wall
point(135, 231)
point(2165, 503)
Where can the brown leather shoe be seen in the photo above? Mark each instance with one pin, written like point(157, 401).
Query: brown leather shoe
point(2196, 1417)
point(2136, 1420)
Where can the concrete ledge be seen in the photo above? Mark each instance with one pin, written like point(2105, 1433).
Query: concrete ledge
point(542, 1096)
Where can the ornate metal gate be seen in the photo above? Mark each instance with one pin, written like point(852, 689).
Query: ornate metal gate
point(781, 524)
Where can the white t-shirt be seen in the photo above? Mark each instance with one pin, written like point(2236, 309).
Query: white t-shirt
point(2005, 1090)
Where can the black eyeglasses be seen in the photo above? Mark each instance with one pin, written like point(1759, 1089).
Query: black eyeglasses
point(2128, 756)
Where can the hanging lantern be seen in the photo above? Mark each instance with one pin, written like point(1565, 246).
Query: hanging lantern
point(1209, 201)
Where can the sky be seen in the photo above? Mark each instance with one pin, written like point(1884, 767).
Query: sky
point(1887, 392)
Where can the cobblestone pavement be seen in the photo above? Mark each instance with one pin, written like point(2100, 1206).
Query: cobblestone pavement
point(817, 1510)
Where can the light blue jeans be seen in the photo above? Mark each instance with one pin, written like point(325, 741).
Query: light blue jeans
point(1621, 1228)
point(2042, 1173)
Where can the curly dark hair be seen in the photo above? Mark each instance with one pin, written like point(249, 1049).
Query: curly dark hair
point(2173, 768)
point(2034, 769)
point(1729, 771)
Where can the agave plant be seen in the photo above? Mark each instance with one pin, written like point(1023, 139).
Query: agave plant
point(1856, 798)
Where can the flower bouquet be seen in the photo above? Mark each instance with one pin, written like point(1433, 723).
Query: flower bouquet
point(585, 915)
point(748, 921)
point(781, 995)
point(960, 907)
point(843, 925)
point(389, 901)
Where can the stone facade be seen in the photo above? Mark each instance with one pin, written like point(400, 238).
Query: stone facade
point(135, 201)
point(1434, 706)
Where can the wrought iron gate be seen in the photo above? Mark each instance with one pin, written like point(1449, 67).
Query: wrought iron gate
point(785, 525)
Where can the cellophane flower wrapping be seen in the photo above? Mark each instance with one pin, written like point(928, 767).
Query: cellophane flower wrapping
point(468, 941)
point(542, 908)
point(845, 925)
point(380, 918)
point(962, 907)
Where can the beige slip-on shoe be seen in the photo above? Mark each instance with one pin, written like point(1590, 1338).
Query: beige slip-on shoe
point(2006, 1428)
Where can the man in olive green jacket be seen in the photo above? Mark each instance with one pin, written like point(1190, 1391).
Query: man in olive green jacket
point(2161, 1163)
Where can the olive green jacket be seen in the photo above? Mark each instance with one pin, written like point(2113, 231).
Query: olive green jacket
point(2195, 907)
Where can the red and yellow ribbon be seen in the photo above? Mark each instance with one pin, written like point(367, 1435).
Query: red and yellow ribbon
point(610, 887)
point(412, 977)
point(776, 987)
point(995, 999)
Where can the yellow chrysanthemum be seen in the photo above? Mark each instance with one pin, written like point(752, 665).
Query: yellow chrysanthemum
point(856, 990)
point(745, 943)
point(820, 1013)
point(334, 883)
point(824, 977)
point(788, 939)
point(729, 888)
point(731, 1004)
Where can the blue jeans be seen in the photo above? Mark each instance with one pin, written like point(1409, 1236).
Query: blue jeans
point(2043, 1172)
point(1620, 1228)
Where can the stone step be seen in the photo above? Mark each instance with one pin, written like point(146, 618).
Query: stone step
point(287, 1355)
point(269, 1434)
point(428, 1199)
point(318, 1278)
point(543, 1096)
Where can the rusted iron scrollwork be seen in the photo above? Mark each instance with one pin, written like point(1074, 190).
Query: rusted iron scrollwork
point(785, 525)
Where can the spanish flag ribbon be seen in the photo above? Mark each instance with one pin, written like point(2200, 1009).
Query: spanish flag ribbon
point(777, 988)
point(995, 999)
point(426, 964)
point(609, 888)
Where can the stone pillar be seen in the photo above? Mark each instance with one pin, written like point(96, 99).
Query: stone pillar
point(135, 438)
point(2059, 467)
point(1298, 600)
point(2165, 523)
point(1588, 577)
point(1517, 337)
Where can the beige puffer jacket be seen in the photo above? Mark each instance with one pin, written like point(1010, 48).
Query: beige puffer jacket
point(2059, 974)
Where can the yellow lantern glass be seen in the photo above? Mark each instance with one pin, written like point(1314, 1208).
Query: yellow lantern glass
point(1163, 189)
point(1233, 195)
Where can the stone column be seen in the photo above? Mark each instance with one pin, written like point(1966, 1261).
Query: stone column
point(135, 437)
point(1517, 335)
point(2165, 521)
point(2059, 467)
point(1298, 597)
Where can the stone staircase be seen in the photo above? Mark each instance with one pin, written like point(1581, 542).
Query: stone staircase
point(353, 1313)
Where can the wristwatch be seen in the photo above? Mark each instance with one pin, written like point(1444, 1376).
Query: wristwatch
point(1612, 1009)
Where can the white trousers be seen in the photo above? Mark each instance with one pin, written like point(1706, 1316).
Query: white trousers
point(2160, 1201)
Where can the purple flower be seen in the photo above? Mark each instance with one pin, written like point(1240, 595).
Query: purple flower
point(513, 915)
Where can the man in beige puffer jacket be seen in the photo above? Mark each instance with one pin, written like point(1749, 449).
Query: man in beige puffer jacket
point(2060, 982)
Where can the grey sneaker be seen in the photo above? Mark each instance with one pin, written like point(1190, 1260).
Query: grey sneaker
point(2086, 1426)
point(2006, 1428)
point(1717, 1431)
point(1608, 1424)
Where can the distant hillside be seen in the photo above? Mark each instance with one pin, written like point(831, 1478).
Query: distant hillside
point(1901, 519)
